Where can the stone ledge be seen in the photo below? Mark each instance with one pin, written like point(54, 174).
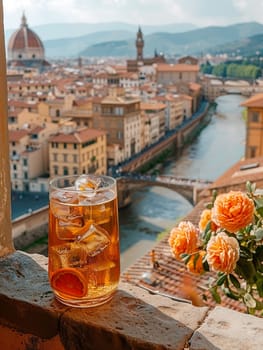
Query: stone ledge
point(134, 319)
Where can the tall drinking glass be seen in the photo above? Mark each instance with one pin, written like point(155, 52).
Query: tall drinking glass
point(83, 244)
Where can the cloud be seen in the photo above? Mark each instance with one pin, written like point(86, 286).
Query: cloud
point(200, 12)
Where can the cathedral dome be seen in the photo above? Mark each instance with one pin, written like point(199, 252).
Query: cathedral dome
point(24, 44)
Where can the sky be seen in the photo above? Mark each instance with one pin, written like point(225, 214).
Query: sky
point(199, 12)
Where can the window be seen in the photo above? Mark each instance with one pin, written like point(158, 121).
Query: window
point(25, 162)
point(65, 170)
point(65, 145)
point(14, 167)
point(253, 151)
point(254, 117)
point(65, 157)
point(55, 170)
point(75, 158)
point(55, 157)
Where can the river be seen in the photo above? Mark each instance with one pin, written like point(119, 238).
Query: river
point(155, 209)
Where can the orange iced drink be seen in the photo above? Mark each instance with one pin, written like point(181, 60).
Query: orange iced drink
point(83, 246)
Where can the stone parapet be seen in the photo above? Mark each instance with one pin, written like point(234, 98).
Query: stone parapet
point(31, 318)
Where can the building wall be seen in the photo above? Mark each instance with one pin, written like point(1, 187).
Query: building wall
point(254, 138)
point(67, 159)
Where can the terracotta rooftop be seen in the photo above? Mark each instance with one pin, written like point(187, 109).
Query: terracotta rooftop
point(77, 136)
point(254, 101)
point(250, 169)
point(152, 106)
point(16, 135)
point(180, 67)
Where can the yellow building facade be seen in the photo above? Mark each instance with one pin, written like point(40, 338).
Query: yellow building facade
point(77, 151)
point(254, 134)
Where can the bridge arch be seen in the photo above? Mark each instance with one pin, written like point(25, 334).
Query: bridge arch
point(187, 188)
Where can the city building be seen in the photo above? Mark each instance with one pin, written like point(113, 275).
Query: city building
point(254, 136)
point(153, 115)
point(174, 111)
point(140, 61)
point(75, 151)
point(28, 145)
point(26, 50)
point(174, 74)
point(120, 116)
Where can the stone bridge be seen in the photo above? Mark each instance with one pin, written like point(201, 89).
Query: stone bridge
point(214, 87)
point(188, 188)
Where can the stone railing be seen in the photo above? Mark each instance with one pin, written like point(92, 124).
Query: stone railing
point(31, 318)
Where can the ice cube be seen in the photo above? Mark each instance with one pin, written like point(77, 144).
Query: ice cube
point(64, 196)
point(61, 203)
point(101, 213)
point(96, 239)
point(68, 255)
point(88, 184)
point(70, 227)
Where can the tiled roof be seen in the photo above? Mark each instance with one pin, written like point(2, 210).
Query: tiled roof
point(152, 106)
point(250, 169)
point(77, 136)
point(180, 67)
point(254, 101)
point(16, 135)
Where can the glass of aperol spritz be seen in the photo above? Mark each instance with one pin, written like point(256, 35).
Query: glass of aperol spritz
point(83, 242)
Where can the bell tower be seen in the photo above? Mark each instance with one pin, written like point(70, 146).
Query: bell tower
point(139, 45)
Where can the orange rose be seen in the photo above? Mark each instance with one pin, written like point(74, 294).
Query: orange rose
point(183, 239)
point(204, 220)
point(195, 265)
point(222, 252)
point(233, 211)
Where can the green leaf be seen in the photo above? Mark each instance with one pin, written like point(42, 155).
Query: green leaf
point(185, 257)
point(260, 211)
point(240, 236)
point(259, 284)
point(234, 281)
point(205, 265)
point(259, 305)
point(246, 269)
point(259, 202)
point(221, 280)
point(250, 187)
point(195, 259)
point(215, 295)
point(259, 234)
point(228, 292)
point(249, 301)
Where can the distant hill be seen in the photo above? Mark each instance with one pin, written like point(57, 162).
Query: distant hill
point(244, 47)
point(72, 47)
point(192, 42)
point(195, 42)
point(70, 30)
point(118, 39)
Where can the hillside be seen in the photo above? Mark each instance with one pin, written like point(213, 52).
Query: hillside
point(244, 47)
point(122, 43)
point(71, 30)
point(118, 39)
